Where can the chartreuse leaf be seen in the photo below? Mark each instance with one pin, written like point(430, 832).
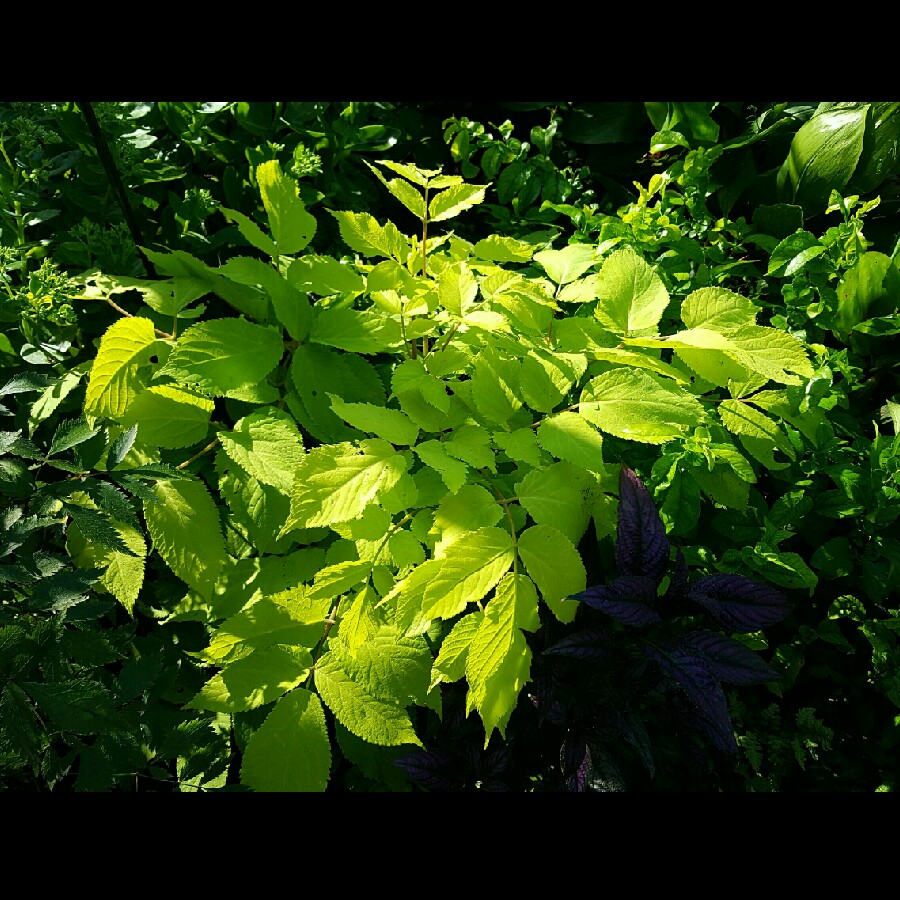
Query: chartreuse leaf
point(291, 306)
point(556, 567)
point(442, 588)
point(637, 405)
point(338, 579)
point(747, 422)
point(453, 471)
point(632, 297)
point(184, 526)
point(470, 508)
point(289, 618)
point(411, 375)
point(377, 721)
point(498, 248)
point(498, 663)
point(717, 309)
point(454, 200)
point(495, 386)
point(222, 355)
point(360, 623)
point(362, 233)
point(567, 264)
point(324, 275)
point(254, 680)
point(126, 346)
point(471, 444)
point(569, 437)
point(404, 192)
point(290, 751)
point(169, 416)
point(390, 424)
point(251, 231)
point(544, 380)
point(520, 445)
point(457, 289)
point(292, 226)
point(356, 330)
point(450, 664)
point(351, 377)
point(336, 483)
point(266, 445)
point(561, 495)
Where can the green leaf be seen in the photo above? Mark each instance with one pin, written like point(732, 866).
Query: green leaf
point(745, 421)
point(520, 445)
point(257, 679)
point(20, 725)
point(126, 346)
point(362, 233)
point(717, 309)
point(184, 526)
point(390, 424)
point(442, 588)
point(638, 406)
point(824, 154)
point(324, 275)
point(251, 231)
point(169, 416)
point(793, 253)
point(569, 437)
point(70, 433)
point(266, 445)
point(53, 395)
point(339, 578)
point(376, 721)
point(560, 495)
point(453, 471)
point(97, 529)
point(471, 444)
point(291, 750)
point(454, 200)
point(498, 248)
point(404, 192)
point(356, 330)
point(632, 297)
point(470, 508)
point(495, 383)
point(450, 664)
point(457, 289)
point(336, 483)
point(292, 226)
point(555, 565)
point(222, 355)
point(79, 706)
point(545, 379)
point(498, 664)
point(567, 264)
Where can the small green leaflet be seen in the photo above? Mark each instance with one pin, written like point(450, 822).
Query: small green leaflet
point(324, 276)
point(266, 445)
point(544, 380)
point(251, 231)
point(338, 579)
point(632, 297)
point(454, 200)
point(404, 192)
point(336, 483)
point(471, 444)
point(291, 750)
point(411, 375)
point(254, 680)
point(568, 436)
point(390, 424)
point(454, 472)
point(184, 526)
point(554, 563)
point(457, 289)
point(361, 232)
point(633, 404)
point(498, 663)
point(126, 346)
point(503, 249)
point(376, 721)
point(221, 355)
point(292, 226)
point(471, 507)
point(520, 445)
point(561, 495)
point(717, 309)
point(450, 664)
point(442, 588)
point(495, 386)
point(356, 330)
point(169, 416)
point(567, 264)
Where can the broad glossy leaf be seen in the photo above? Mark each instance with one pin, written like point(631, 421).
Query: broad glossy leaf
point(794, 253)
point(495, 386)
point(290, 751)
point(470, 508)
point(544, 380)
point(498, 248)
point(569, 263)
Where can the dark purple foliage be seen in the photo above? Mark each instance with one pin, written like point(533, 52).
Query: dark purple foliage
point(629, 599)
point(729, 660)
point(591, 643)
point(642, 547)
point(738, 603)
point(692, 672)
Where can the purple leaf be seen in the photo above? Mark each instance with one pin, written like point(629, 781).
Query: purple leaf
point(738, 603)
point(435, 770)
point(729, 660)
point(642, 547)
point(680, 575)
point(691, 671)
point(591, 643)
point(629, 599)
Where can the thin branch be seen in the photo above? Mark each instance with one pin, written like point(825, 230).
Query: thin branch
point(206, 449)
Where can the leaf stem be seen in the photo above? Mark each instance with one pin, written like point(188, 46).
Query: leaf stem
point(124, 312)
point(197, 455)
